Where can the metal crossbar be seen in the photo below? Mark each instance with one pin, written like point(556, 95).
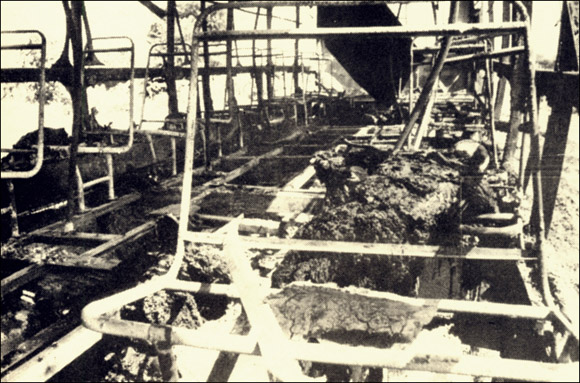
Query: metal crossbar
point(99, 315)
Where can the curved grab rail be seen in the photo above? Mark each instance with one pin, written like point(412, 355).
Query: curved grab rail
point(41, 101)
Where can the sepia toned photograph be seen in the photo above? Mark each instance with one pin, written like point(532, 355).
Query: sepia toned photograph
point(300, 191)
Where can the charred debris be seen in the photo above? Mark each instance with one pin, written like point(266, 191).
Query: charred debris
point(363, 217)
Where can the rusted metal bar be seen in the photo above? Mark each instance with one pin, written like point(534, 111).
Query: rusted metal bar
point(429, 84)
point(454, 48)
point(41, 78)
point(393, 31)
point(100, 75)
point(486, 55)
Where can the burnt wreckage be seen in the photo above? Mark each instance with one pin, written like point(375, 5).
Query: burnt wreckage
point(311, 233)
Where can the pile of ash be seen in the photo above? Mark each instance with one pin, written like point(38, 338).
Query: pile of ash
point(374, 197)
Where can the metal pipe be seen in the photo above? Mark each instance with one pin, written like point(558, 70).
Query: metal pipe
point(173, 156)
point(96, 181)
point(384, 249)
point(207, 101)
point(522, 170)
point(454, 48)
point(392, 31)
point(269, 64)
point(151, 147)
point(304, 96)
point(296, 52)
point(7, 174)
point(510, 231)
point(411, 81)
point(486, 55)
point(111, 176)
point(491, 106)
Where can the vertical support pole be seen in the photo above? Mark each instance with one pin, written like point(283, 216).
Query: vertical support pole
point(190, 129)
point(318, 75)
point(517, 106)
point(491, 108)
point(304, 95)
point(232, 104)
point(331, 78)
point(269, 65)
point(522, 167)
point(13, 212)
point(111, 174)
point(77, 97)
point(411, 77)
point(258, 75)
point(296, 50)
point(284, 75)
point(174, 156)
point(80, 190)
point(206, 86)
point(170, 64)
